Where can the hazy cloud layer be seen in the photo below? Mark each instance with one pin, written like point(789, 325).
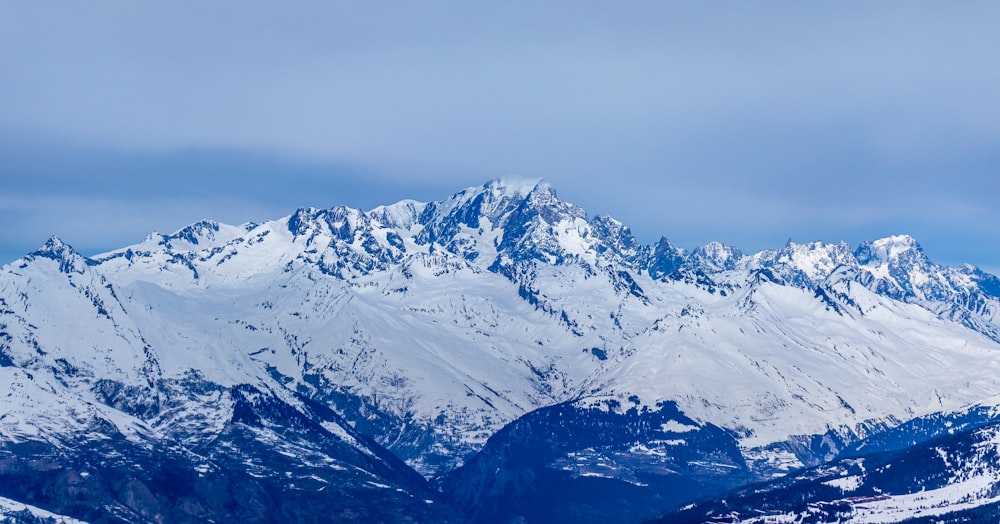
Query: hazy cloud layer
point(747, 123)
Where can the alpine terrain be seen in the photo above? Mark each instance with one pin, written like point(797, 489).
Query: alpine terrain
point(496, 356)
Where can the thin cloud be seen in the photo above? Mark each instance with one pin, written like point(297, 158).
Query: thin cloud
point(681, 119)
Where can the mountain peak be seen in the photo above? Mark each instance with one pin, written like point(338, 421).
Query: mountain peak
point(54, 244)
point(55, 249)
point(716, 256)
point(816, 260)
point(896, 243)
point(889, 248)
point(194, 232)
point(665, 258)
point(403, 214)
point(515, 186)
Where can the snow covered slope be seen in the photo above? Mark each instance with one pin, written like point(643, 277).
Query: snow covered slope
point(13, 511)
point(93, 426)
point(951, 477)
point(426, 328)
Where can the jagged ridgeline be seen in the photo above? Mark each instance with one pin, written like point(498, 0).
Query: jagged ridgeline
point(495, 356)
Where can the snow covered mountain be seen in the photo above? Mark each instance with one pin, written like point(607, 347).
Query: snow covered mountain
point(346, 356)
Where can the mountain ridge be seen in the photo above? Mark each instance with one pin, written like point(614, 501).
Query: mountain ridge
point(419, 331)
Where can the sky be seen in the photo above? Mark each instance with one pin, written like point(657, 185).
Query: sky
point(749, 123)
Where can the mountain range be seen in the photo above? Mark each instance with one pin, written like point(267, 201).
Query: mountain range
point(496, 356)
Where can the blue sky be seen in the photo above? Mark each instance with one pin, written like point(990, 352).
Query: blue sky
point(744, 122)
